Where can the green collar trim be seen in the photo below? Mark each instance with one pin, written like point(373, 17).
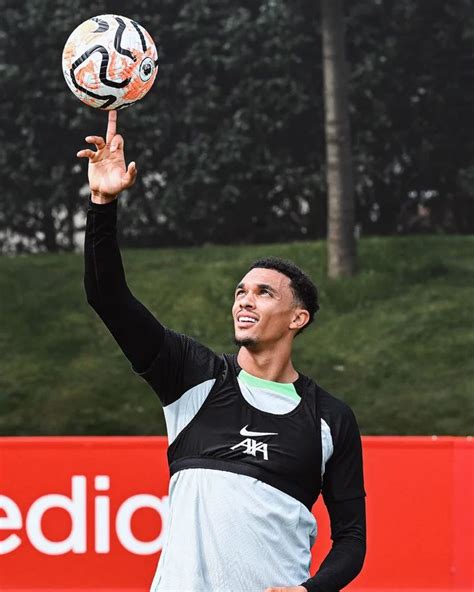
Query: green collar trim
point(282, 388)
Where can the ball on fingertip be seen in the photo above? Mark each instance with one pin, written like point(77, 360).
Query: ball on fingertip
point(110, 62)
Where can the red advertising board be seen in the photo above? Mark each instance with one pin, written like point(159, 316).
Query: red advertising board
point(89, 513)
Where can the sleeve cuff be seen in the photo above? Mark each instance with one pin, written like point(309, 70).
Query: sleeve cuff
point(95, 207)
point(308, 585)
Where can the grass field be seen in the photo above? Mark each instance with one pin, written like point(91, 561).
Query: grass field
point(396, 342)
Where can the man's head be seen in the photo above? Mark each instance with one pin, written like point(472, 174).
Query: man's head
point(275, 299)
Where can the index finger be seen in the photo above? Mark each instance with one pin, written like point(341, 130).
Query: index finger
point(111, 126)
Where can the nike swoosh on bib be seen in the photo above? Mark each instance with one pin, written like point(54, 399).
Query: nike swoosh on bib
point(245, 432)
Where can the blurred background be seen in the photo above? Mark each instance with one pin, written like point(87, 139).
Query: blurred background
point(231, 150)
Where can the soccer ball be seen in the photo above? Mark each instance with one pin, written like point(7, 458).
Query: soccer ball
point(110, 62)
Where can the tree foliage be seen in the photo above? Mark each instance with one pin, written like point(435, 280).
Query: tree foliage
point(412, 97)
point(229, 143)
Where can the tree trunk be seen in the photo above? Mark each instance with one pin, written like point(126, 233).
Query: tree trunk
point(341, 239)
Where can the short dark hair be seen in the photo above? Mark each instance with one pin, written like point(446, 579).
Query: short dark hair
point(304, 290)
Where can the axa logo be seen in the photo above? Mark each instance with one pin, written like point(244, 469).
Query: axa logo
point(252, 446)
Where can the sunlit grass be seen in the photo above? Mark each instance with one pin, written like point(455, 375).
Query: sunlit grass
point(396, 341)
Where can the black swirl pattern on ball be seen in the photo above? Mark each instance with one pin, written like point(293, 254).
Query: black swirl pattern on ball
point(103, 25)
point(118, 40)
point(124, 106)
point(109, 99)
point(142, 36)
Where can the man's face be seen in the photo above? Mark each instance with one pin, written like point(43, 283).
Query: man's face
point(264, 308)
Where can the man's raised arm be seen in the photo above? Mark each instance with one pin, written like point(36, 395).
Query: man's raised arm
point(135, 329)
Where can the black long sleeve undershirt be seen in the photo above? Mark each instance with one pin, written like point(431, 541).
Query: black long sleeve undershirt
point(140, 335)
point(346, 557)
point(136, 330)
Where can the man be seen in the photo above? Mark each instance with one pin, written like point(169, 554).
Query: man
point(251, 441)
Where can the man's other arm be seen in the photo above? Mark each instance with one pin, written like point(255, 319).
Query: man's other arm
point(346, 557)
point(344, 496)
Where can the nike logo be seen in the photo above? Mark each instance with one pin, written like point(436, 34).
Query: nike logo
point(245, 432)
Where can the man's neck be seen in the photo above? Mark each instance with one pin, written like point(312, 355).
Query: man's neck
point(267, 364)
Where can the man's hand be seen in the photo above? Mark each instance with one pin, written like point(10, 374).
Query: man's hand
point(290, 589)
point(108, 175)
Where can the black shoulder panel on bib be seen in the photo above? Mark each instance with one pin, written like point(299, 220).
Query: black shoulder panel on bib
point(229, 434)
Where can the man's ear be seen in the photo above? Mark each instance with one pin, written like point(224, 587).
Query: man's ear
point(300, 319)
